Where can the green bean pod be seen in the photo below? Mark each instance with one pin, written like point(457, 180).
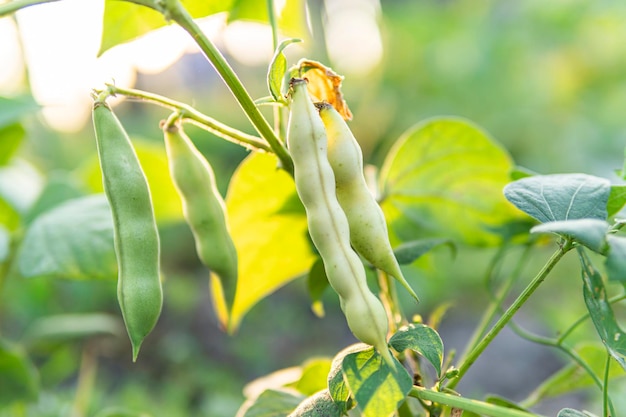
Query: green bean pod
point(368, 229)
point(203, 207)
point(328, 226)
point(136, 237)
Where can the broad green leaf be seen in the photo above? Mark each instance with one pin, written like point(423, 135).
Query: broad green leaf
point(550, 198)
point(409, 252)
point(572, 377)
point(601, 312)
point(377, 389)
point(339, 391)
point(13, 109)
point(19, 381)
point(617, 199)
point(72, 241)
point(423, 340)
point(317, 282)
point(252, 10)
point(444, 178)
point(74, 326)
point(277, 69)
point(271, 403)
point(314, 376)
point(120, 412)
point(59, 188)
point(589, 232)
point(616, 259)
point(270, 234)
point(165, 199)
point(20, 184)
point(125, 21)
point(319, 405)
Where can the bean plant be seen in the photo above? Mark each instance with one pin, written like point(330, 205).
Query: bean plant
point(348, 234)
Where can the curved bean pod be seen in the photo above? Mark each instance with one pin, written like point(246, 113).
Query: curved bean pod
point(328, 226)
point(137, 247)
point(368, 229)
point(203, 207)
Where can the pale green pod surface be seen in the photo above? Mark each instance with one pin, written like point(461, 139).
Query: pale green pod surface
point(368, 229)
point(328, 225)
point(137, 246)
point(203, 207)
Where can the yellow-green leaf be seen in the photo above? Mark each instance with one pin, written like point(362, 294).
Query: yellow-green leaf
point(125, 21)
point(268, 225)
point(444, 177)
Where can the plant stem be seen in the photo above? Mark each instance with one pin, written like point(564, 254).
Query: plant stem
point(173, 9)
point(473, 406)
point(86, 379)
point(585, 317)
point(605, 387)
point(15, 5)
point(510, 312)
point(192, 115)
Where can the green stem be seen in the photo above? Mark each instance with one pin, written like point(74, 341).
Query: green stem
point(192, 115)
point(606, 402)
point(493, 308)
point(510, 312)
point(86, 380)
point(473, 406)
point(15, 5)
point(173, 9)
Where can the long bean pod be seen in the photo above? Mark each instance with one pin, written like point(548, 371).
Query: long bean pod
point(136, 237)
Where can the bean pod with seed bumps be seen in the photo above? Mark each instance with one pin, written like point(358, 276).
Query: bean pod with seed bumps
point(135, 232)
point(368, 229)
point(328, 225)
point(203, 206)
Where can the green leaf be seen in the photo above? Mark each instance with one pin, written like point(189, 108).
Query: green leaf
point(125, 21)
point(59, 188)
point(409, 252)
point(319, 405)
point(74, 326)
point(5, 244)
point(292, 18)
point(339, 391)
point(277, 69)
point(10, 139)
point(423, 340)
point(616, 259)
point(165, 199)
point(19, 381)
point(272, 241)
point(12, 110)
point(601, 312)
point(314, 376)
point(589, 232)
point(617, 199)
point(271, 403)
point(72, 241)
point(569, 412)
point(550, 198)
point(444, 178)
point(20, 185)
point(377, 389)
point(317, 282)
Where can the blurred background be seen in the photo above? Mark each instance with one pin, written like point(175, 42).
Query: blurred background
point(545, 79)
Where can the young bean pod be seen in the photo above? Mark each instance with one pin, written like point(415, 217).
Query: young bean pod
point(203, 207)
point(368, 229)
point(328, 226)
point(137, 247)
